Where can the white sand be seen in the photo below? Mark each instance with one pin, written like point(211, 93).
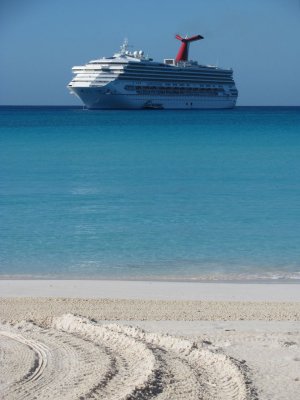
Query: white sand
point(228, 341)
point(151, 290)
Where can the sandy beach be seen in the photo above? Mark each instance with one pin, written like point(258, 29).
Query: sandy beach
point(144, 340)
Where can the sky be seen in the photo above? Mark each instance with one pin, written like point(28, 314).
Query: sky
point(40, 41)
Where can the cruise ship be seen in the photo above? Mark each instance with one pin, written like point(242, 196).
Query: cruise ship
point(132, 80)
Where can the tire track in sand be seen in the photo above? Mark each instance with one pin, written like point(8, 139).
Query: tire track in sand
point(56, 365)
point(176, 368)
point(80, 359)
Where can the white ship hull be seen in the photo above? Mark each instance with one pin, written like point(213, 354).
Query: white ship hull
point(97, 100)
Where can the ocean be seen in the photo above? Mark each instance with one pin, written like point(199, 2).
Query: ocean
point(175, 195)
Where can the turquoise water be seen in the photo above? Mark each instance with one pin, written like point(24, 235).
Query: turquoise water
point(150, 194)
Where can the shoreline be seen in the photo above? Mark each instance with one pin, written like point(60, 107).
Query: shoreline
point(151, 290)
point(268, 281)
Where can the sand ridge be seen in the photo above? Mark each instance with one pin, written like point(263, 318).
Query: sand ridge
point(78, 358)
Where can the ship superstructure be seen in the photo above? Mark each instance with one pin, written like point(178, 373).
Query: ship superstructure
point(131, 80)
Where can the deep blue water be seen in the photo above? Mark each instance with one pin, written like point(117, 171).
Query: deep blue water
point(150, 194)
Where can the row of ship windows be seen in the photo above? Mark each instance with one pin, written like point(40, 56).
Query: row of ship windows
point(177, 89)
point(169, 85)
point(174, 76)
point(198, 94)
point(176, 72)
point(183, 82)
point(139, 75)
point(128, 74)
point(168, 81)
point(182, 91)
point(174, 89)
point(153, 70)
point(160, 67)
point(179, 79)
point(88, 81)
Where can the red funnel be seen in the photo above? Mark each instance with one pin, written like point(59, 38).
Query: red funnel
point(183, 52)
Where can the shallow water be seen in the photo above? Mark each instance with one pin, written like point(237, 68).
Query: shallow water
point(150, 194)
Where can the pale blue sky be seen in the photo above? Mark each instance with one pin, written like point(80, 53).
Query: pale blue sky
point(40, 41)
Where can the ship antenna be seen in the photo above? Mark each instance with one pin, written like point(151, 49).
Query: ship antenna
point(124, 46)
point(183, 53)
